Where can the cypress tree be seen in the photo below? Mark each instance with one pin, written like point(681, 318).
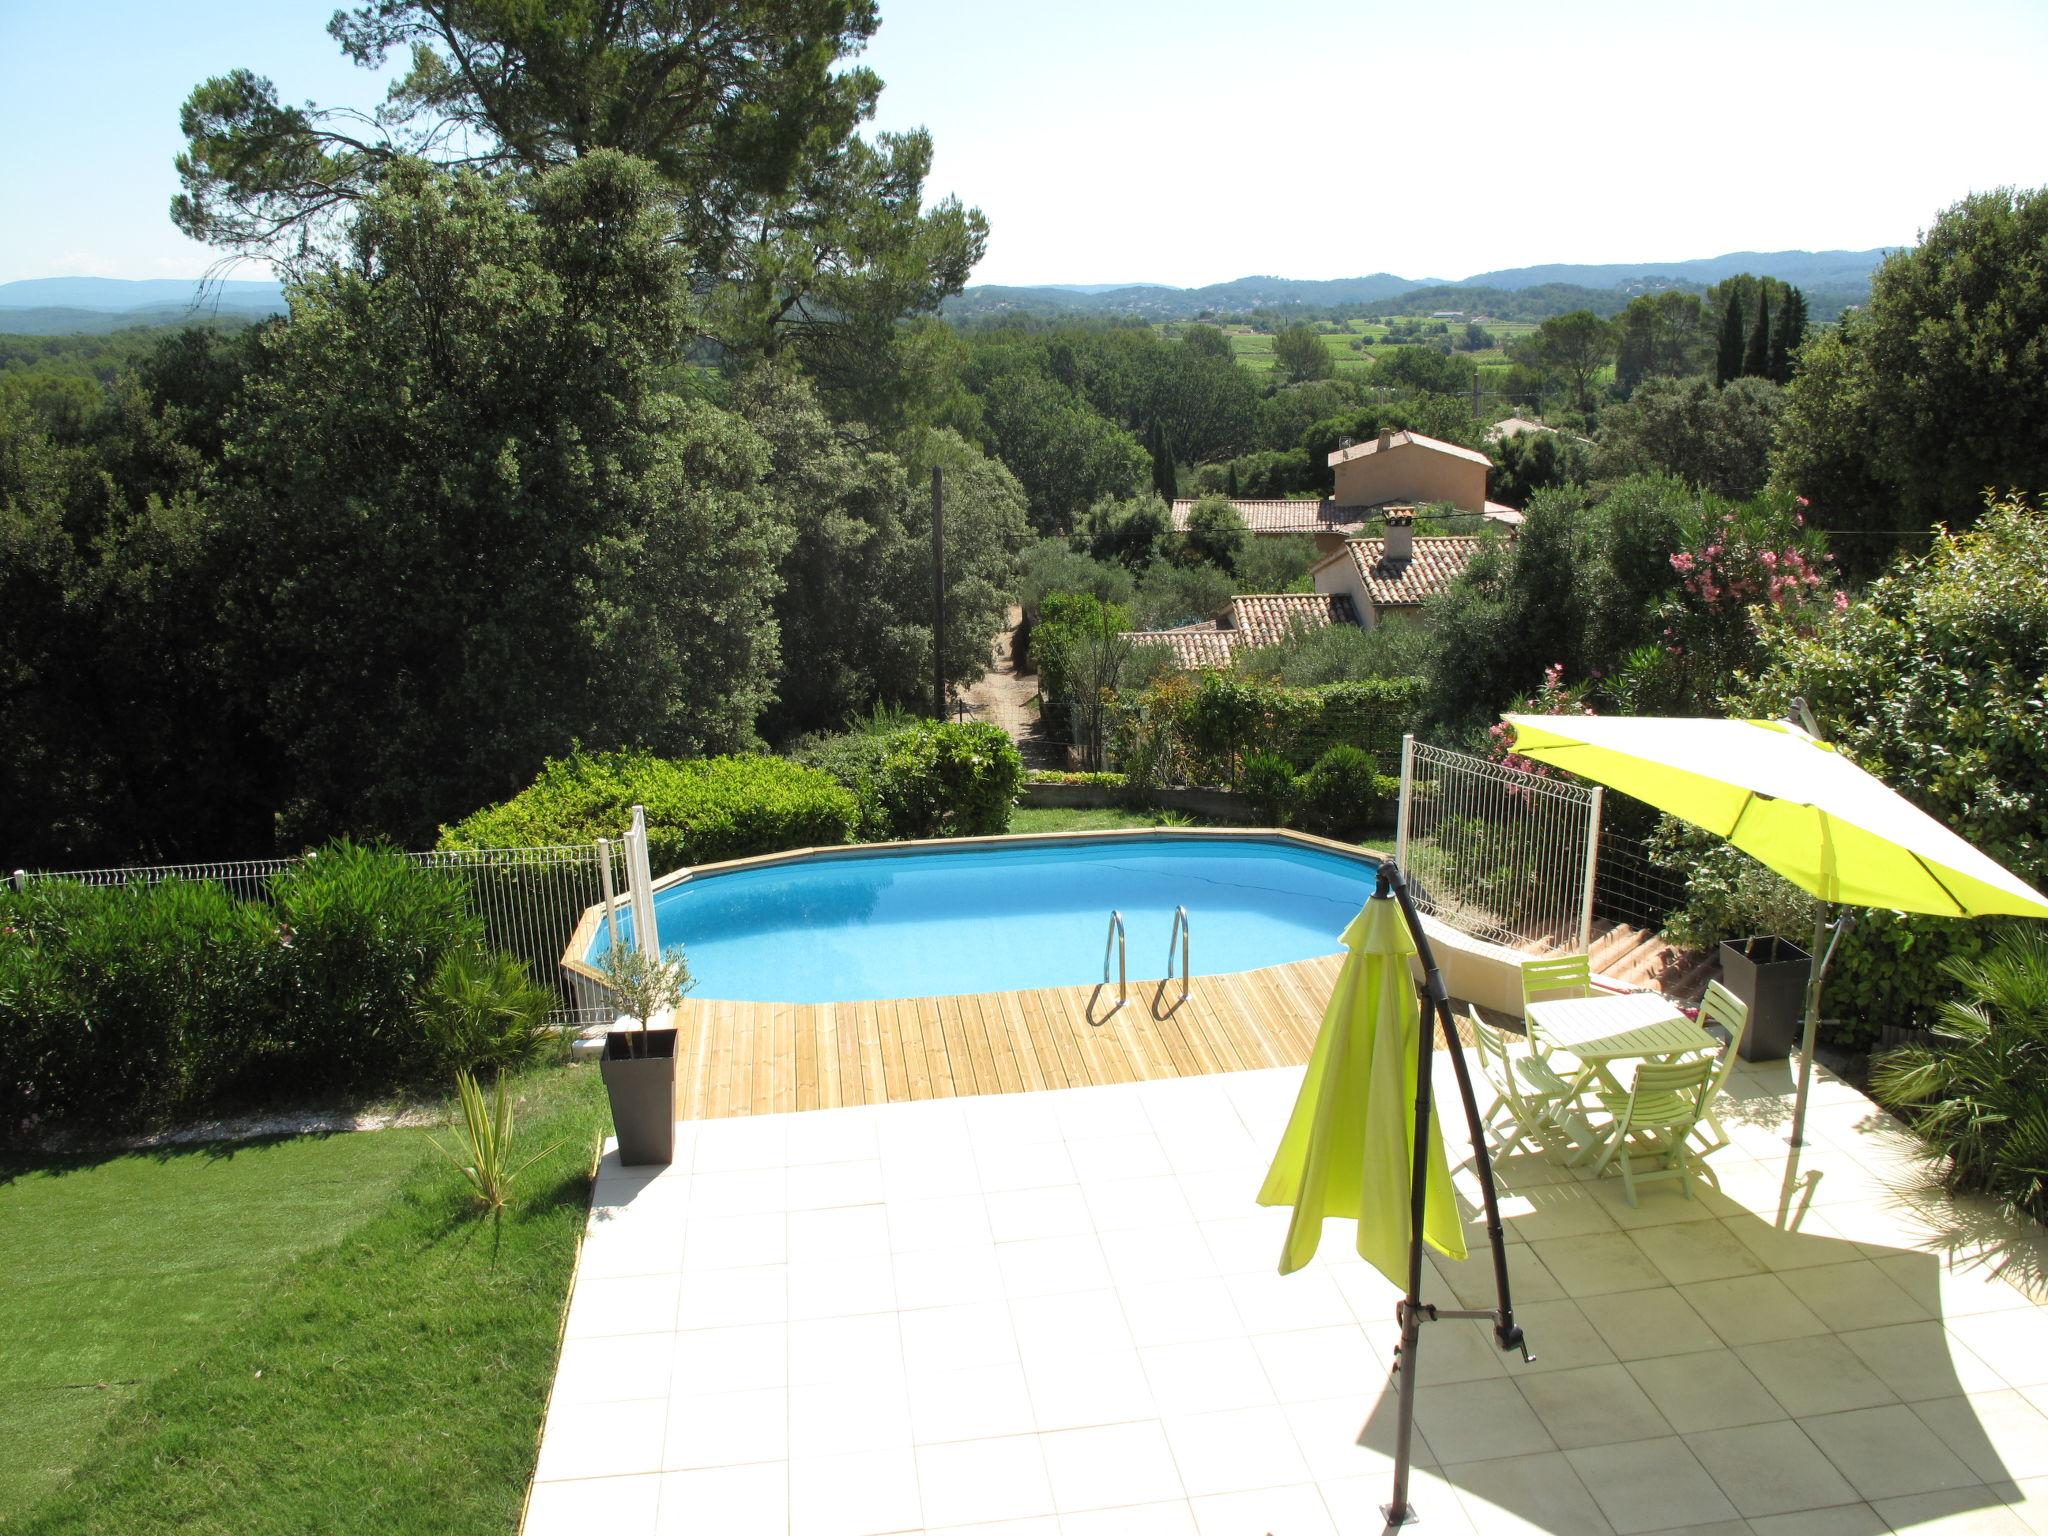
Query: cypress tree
point(1230, 481)
point(1728, 360)
point(1163, 479)
point(1790, 332)
point(1756, 358)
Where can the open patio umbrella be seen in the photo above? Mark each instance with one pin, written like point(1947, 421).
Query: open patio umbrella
point(1794, 803)
point(1363, 1142)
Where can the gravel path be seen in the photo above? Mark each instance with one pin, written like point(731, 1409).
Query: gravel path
point(1003, 697)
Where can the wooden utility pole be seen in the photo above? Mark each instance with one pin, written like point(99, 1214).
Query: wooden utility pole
point(938, 595)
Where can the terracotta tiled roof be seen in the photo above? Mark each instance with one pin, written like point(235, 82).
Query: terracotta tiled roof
point(1323, 516)
point(1267, 618)
point(1194, 648)
point(1401, 439)
point(1429, 572)
point(1259, 618)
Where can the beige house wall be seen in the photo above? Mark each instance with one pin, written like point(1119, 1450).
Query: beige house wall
point(1410, 472)
point(1335, 576)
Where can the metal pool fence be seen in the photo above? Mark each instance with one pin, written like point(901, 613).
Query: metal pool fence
point(1498, 852)
point(529, 900)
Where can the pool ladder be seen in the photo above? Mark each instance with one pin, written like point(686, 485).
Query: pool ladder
point(1180, 934)
point(1115, 939)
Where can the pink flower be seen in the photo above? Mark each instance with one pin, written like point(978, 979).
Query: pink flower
point(1802, 501)
point(1841, 602)
point(1768, 558)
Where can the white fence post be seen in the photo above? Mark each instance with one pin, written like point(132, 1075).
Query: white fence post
point(641, 880)
point(1592, 868)
point(611, 895)
point(1407, 795)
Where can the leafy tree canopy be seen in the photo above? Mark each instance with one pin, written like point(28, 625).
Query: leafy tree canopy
point(1573, 347)
point(1300, 356)
point(1904, 415)
point(1717, 439)
point(804, 233)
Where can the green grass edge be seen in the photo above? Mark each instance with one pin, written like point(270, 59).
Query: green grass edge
point(394, 1381)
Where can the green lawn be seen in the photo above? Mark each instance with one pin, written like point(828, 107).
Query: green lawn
point(1026, 818)
point(1255, 351)
point(297, 1335)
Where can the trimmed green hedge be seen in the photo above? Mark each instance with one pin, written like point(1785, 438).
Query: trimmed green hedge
point(127, 1006)
point(926, 779)
point(699, 811)
point(1217, 722)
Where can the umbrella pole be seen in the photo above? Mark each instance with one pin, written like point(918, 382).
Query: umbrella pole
point(1413, 1311)
point(1821, 961)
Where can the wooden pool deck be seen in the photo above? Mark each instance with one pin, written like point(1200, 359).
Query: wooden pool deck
point(765, 1058)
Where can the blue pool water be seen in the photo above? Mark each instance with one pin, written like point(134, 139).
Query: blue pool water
point(853, 927)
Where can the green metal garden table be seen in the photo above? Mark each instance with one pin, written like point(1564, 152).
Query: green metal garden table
point(1604, 1029)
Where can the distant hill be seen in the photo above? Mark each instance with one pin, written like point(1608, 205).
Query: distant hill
point(1803, 269)
point(1159, 302)
point(1831, 280)
point(97, 322)
point(57, 306)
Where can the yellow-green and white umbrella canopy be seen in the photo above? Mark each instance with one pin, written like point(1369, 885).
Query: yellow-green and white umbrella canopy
point(1789, 801)
point(1349, 1146)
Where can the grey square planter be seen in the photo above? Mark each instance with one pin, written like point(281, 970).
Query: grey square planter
point(1769, 975)
point(642, 1088)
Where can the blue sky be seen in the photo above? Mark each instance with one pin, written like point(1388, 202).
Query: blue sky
point(1189, 141)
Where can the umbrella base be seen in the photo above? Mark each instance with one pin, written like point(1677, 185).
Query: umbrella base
point(1406, 1517)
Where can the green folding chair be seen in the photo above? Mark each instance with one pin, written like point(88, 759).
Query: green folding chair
point(1722, 1007)
point(1558, 976)
point(1525, 1088)
point(1655, 1119)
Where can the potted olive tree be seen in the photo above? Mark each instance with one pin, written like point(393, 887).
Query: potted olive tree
point(639, 1063)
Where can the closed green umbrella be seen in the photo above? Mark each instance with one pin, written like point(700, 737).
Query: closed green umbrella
point(1347, 1147)
point(1363, 1142)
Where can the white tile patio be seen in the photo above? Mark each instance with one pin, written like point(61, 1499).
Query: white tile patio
point(1057, 1314)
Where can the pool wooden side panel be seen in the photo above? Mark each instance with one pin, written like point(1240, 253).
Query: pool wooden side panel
point(765, 1058)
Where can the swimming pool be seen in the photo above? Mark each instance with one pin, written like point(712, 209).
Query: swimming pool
point(927, 921)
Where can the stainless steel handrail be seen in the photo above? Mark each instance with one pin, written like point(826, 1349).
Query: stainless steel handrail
point(1115, 936)
point(1181, 925)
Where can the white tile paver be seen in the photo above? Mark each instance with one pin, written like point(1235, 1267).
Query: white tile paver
point(751, 1500)
point(1111, 1465)
point(1058, 1314)
point(864, 1493)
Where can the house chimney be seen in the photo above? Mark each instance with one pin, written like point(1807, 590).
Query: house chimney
point(1386, 438)
point(1400, 534)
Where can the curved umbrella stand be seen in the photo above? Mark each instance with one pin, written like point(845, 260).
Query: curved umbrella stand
point(1352, 1151)
point(1414, 1311)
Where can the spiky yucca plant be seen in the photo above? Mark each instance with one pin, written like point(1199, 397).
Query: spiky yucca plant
point(1979, 1095)
point(485, 1150)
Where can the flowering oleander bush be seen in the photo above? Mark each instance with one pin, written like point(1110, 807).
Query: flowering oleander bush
point(1747, 568)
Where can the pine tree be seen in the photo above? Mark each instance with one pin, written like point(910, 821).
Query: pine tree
point(1163, 478)
point(1728, 361)
point(1789, 334)
point(1756, 358)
